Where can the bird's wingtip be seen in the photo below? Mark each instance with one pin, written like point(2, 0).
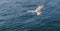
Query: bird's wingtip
point(43, 4)
point(24, 11)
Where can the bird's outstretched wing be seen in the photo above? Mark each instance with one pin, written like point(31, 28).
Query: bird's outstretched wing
point(40, 7)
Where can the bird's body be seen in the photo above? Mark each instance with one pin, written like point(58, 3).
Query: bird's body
point(38, 10)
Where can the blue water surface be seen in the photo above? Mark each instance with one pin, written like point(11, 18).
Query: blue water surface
point(13, 19)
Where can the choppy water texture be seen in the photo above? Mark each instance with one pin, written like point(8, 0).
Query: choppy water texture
point(13, 19)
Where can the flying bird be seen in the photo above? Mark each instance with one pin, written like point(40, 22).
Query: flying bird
point(37, 10)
